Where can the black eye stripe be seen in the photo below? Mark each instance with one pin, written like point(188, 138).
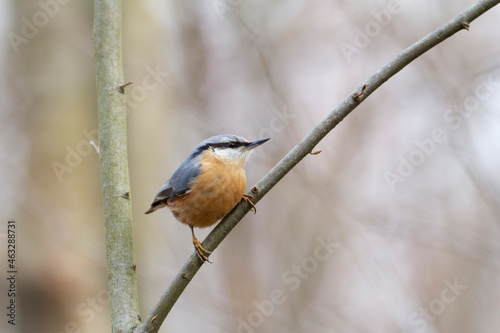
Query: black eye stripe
point(230, 144)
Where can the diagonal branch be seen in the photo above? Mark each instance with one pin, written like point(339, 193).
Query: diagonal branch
point(303, 148)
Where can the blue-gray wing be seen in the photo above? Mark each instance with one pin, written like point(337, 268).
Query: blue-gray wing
point(178, 184)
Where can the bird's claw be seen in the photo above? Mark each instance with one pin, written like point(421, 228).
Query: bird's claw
point(201, 252)
point(247, 198)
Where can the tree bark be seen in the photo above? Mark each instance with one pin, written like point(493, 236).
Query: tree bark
point(114, 166)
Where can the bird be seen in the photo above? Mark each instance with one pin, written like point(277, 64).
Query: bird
point(208, 184)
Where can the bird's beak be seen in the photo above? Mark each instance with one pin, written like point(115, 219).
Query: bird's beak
point(257, 143)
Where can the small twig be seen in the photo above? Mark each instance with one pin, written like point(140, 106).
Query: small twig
point(152, 323)
point(357, 95)
point(315, 152)
point(121, 88)
point(96, 147)
point(125, 195)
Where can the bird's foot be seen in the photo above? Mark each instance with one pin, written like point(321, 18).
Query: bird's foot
point(247, 197)
point(200, 251)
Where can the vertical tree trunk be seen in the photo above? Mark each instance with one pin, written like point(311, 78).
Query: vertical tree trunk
point(114, 166)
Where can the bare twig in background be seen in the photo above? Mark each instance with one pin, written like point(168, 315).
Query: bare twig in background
point(305, 147)
point(114, 167)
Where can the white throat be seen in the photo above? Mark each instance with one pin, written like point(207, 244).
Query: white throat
point(233, 154)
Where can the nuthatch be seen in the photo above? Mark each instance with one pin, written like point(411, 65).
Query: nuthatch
point(208, 184)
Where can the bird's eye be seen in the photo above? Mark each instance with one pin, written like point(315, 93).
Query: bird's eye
point(231, 144)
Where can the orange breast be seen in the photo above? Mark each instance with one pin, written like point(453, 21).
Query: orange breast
point(213, 194)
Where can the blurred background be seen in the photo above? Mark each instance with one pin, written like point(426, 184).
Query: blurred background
point(394, 227)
